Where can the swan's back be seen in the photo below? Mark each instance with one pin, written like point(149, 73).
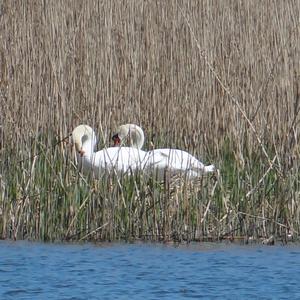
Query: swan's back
point(117, 159)
point(175, 162)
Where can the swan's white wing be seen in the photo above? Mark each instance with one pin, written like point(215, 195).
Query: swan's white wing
point(175, 162)
point(119, 159)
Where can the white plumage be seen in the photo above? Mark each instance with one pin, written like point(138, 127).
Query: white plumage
point(160, 161)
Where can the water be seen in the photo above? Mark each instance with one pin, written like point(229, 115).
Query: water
point(134, 271)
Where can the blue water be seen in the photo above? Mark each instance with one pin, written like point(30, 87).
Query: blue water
point(143, 271)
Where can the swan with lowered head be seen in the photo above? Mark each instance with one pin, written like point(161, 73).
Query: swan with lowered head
point(173, 161)
point(129, 134)
point(122, 160)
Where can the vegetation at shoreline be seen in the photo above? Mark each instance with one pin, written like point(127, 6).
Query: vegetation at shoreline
point(217, 79)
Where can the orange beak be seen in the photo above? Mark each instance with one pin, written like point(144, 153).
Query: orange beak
point(116, 140)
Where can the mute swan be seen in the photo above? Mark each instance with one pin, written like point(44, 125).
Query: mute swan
point(160, 160)
point(109, 160)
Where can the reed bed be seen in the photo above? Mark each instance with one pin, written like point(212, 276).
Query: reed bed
point(219, 79)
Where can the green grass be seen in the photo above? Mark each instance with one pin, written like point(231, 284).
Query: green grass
point(48, 199)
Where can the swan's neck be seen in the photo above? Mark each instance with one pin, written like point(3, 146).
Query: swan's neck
point(136, 136)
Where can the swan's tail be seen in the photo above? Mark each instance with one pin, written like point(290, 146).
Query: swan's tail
point(209, 169)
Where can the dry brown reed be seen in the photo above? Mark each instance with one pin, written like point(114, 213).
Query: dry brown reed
point(219, 79)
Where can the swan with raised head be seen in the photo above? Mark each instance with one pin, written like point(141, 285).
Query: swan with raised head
point(120, 160)
point(174, 161)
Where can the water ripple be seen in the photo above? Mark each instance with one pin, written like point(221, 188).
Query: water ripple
point(124, 271)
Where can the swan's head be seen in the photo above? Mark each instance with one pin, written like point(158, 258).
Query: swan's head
point(80, 135)
point(130, 133)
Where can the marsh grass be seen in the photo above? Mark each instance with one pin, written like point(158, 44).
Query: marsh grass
point(218, 79)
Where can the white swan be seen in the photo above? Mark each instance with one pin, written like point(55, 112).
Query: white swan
point(173, 161)
point(109, 160)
